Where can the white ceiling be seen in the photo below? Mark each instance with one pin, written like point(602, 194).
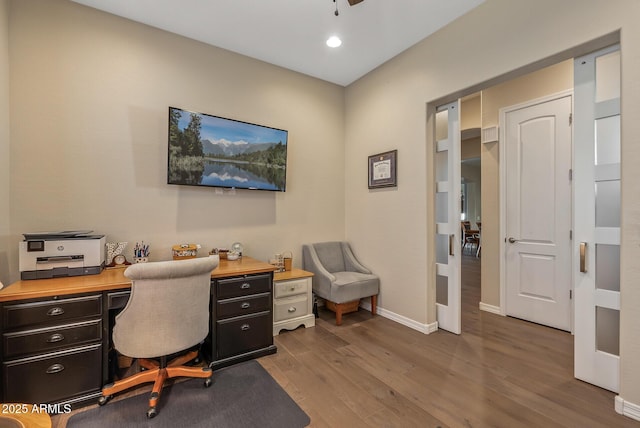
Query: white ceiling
point(292, 33)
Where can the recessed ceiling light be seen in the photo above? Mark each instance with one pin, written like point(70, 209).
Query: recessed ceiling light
point(334, 41)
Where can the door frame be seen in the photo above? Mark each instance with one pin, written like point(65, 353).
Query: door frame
point(503, 192)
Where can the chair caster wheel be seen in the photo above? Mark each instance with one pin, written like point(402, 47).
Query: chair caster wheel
point(151, 413)
point(103, 400)
point(207, 382)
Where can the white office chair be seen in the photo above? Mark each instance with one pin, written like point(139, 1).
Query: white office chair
point(167, 313)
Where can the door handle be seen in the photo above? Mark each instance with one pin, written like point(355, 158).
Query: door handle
point(512, 240)
point(451, 240)
point(583, 257)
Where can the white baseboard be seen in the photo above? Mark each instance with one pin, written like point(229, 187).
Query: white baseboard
point(490, 308)
point(627, 408)
point(408, 322)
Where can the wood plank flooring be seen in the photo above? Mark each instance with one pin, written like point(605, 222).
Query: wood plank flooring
point(373, 372)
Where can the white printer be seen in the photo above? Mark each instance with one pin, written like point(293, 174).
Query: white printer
point(65, 253)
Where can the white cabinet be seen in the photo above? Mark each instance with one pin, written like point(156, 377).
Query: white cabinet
point(292, 300)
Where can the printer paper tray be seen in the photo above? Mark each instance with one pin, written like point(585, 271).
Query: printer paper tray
point(60, 272)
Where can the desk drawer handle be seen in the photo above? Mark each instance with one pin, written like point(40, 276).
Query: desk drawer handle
point(55, 368)
point(56, 337)
point(291, 310)
point(245, 305)
point(245, 286)
point(245, 327)
point(55, 311)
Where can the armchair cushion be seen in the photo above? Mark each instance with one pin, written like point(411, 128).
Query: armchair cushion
point(330, 256)
point(350, 286)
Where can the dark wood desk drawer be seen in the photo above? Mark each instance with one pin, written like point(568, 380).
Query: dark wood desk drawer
point(243, 334)
point(52, 377)
point(50, 311)
point(244, 305)
point(243, 286)
point(47, 339)
point(118, 299)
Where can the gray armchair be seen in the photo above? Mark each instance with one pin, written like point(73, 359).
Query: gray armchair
point(167, 313)
point(339, 278)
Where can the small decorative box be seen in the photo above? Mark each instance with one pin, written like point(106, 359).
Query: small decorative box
point(184, 251)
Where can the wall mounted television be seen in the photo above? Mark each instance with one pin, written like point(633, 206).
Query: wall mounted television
point(206, 150)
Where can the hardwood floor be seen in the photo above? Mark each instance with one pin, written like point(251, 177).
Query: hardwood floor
point(373, 372)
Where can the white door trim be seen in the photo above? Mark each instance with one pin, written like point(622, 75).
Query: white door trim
point(503, 188)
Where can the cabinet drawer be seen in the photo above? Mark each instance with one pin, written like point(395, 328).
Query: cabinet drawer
point(118, 299)
point(243, 286)
point(48, 339)
point(243, 334)
point(290, 288)
point(50, 311)
point(243, 305)
point(290, 307)
point(54, 376)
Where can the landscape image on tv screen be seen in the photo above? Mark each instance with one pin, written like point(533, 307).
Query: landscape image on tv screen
point(207, 150)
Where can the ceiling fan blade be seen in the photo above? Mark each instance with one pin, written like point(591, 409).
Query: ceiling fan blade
point(354, 2)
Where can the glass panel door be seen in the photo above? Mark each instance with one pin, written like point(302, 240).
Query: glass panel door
point(447, 210)
point(597, 217)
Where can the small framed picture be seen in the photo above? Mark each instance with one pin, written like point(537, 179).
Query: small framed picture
point(383, 169)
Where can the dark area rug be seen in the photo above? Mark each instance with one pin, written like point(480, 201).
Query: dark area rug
point(243, 395)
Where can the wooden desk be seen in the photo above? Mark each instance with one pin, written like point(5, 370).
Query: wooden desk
point(112, 279)
point(56, 333)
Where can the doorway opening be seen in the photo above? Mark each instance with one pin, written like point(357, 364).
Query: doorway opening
point(481, 177)
point(518, 93)
point(470, 202)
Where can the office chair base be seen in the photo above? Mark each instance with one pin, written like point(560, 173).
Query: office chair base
point(157, 373)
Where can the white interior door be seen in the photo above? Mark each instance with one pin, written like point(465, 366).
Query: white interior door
point(447, 207)
point(597, 218)
point(538, 212)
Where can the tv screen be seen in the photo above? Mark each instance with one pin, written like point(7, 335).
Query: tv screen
point(207, 150)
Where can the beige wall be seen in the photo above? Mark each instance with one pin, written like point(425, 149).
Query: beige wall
point(386, 110)
point(89, 112)
point(5, 166)
point(471, 112)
